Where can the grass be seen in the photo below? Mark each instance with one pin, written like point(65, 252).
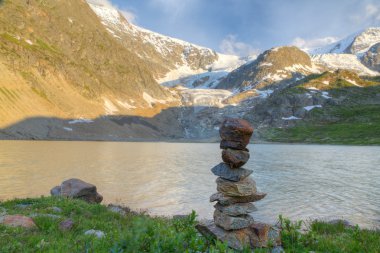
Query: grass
point(325, 237)
point(356, 124)
point(130, 233)
point(141, 233)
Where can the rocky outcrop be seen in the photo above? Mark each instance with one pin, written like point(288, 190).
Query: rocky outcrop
point(282, 64)
point(371, 58)
point(77, 189)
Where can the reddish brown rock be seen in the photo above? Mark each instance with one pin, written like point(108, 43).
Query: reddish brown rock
point(17, 221)
point(235, 133)
point(226, 200)
point(235, 158)
point(264, 234)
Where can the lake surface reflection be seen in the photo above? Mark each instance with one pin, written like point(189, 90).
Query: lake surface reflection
point(302, 181)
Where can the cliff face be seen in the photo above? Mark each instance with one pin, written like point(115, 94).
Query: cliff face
point(371, 58)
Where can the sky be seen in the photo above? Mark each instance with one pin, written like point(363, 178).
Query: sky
point(244, 27)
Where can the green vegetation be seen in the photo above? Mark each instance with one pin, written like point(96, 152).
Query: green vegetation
point(352, 116)
point(129, 233)
point(40, 93)
point(325, 237)
point(357, 124)
point(45, 46)
point(134, 232)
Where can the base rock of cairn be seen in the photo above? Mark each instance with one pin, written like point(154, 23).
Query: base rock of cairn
point(236, 191)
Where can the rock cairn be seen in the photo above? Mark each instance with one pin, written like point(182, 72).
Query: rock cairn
point(236, 191)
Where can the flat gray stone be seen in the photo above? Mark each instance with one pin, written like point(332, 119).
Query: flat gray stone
point(232, 222)
point(224, 171)
point(245, 187)
point(236, 209)
point(226, 200)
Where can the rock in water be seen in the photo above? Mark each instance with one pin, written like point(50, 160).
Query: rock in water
point(236, 130)
point(76, 188)
point(235, 158)
point(243, 188)
point(232, 222)
point(223, 170)
point(226, 200)
point(236, 209)
point(17, 221)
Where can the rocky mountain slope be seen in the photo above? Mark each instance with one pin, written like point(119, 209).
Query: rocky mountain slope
point(55, 60)
point(351, 53)
point(272, 66)
point(169, 58)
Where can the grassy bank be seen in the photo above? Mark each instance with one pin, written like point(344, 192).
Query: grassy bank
point(140, 233)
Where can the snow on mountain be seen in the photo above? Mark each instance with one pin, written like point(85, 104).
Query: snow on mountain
point(174, 58)
point(357, 43)
point(207, 79)
point(343, 61)
point(204, 97)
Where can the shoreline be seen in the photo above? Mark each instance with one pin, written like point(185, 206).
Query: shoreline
point(190, 141)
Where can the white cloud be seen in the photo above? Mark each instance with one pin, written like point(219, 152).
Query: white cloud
point(370, 15)
point(230, 45)
point(313, 43)
point(128, 14)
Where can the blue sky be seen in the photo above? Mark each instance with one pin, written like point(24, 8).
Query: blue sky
point(246, 26)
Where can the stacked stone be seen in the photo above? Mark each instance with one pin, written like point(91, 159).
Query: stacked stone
point(236, 189)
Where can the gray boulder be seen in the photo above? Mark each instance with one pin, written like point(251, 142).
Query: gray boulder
point(77, 189)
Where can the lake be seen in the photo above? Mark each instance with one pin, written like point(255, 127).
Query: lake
point(302, 181)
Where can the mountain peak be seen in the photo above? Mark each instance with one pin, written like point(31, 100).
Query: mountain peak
point(357, 43)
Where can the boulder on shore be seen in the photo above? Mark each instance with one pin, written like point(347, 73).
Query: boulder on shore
point(77, 189)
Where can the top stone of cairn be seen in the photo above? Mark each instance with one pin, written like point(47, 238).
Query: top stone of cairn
point(235, 133)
